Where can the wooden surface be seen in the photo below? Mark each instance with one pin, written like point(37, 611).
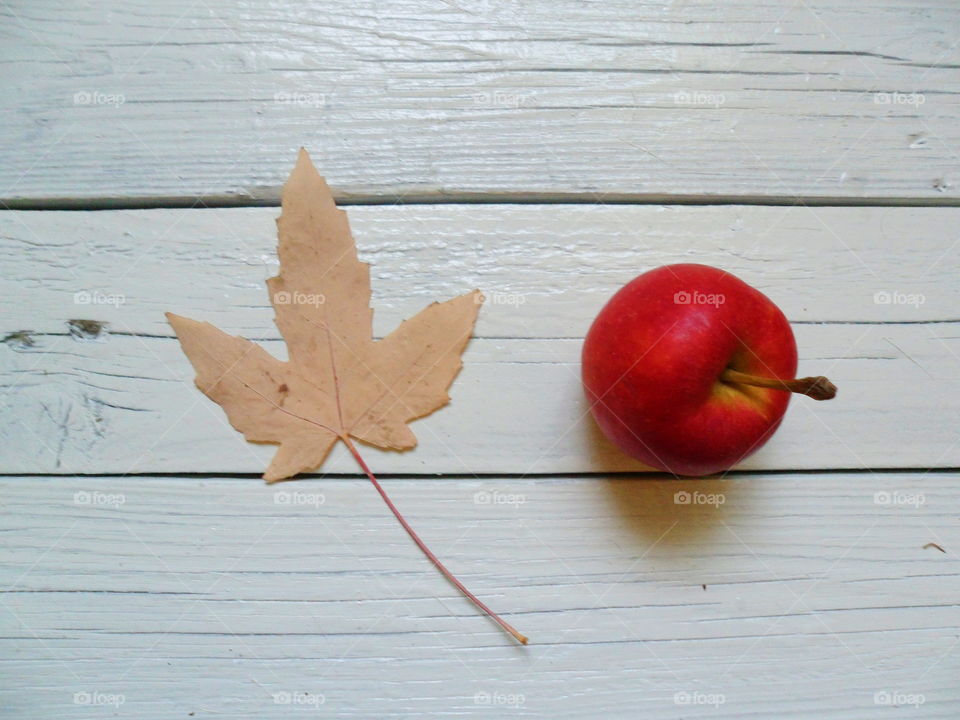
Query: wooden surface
point(156, 102)
point(208, 596)
point(545, 153)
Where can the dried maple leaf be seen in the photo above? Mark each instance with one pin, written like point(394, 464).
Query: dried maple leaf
point(338, 382)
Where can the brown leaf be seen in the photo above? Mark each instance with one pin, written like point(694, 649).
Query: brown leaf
point(338, 382)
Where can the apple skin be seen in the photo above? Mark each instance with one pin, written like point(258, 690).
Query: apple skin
point(651, 365)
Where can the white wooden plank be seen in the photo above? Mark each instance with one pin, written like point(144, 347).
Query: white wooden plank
point(798, 596)
point(123, 404)
point(428, 98)
point(546, 269)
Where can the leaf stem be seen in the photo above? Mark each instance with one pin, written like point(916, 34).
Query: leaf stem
point(426, 551)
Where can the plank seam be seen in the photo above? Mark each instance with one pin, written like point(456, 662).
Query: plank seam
point(271, 199)
point(485, 475)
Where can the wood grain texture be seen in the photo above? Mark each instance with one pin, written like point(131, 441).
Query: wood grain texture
point(798, 596)
point(429, 98)
point(122, 404)
point(789, 594)
point(546, 269)
point(123, 401)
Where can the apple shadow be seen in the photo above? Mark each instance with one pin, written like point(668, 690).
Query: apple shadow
point(658, 506)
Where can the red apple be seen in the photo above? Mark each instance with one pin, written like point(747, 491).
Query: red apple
point(689, 369)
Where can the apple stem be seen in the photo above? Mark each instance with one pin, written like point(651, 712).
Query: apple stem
point(522, 639)
point(818, 388)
